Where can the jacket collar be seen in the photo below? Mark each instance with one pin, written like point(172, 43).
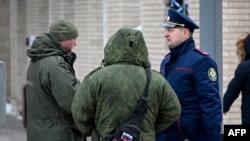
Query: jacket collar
point(184, 46)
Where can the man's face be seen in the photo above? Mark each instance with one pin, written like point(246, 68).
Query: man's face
point(68, 44)
point(175, 35)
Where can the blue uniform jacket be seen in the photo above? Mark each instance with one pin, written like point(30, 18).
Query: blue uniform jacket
point(194, 77)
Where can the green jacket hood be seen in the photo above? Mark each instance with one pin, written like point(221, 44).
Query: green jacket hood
point(126, 45)
point(47, 45)
point(44, 46)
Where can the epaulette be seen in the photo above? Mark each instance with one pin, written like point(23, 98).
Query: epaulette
point(96, 69)
point(156, 71)
point(167, 54)
point(201, 51)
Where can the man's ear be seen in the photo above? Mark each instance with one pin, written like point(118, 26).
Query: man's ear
point(186, 33)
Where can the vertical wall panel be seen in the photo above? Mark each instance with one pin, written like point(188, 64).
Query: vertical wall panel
point(5, 41)
point(2, 94)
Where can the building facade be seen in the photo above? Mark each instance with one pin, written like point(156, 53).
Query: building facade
point(21, 20)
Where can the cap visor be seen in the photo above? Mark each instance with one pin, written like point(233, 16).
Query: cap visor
point(168, 25)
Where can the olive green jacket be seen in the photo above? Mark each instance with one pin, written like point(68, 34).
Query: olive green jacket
point(108, 95)
point(51, 85)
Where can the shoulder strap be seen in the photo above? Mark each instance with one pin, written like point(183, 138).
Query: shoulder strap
point(148, 74)
point(141, 108)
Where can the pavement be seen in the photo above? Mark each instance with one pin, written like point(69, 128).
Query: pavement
point(13, 129)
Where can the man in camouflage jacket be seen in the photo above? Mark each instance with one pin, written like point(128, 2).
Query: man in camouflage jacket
point(109, 94)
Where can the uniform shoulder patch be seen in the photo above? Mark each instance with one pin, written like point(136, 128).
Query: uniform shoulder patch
point(201, 51)
point(212, 75)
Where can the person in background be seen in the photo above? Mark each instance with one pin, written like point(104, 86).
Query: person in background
point(108, 95)
point(240, 83)
point(193, 75)
point(51, 85)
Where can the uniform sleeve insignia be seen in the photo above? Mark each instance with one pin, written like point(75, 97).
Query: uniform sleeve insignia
point(212, 75)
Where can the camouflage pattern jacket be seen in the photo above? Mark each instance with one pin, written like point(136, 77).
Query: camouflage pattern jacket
point(108, 95)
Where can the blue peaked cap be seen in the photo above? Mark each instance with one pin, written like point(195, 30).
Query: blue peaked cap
point(178, 19)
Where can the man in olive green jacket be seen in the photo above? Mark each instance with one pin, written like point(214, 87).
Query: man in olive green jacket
point(51, 85)
point(108, 94)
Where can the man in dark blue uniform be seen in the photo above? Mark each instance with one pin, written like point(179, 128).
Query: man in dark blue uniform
point(194, 77)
